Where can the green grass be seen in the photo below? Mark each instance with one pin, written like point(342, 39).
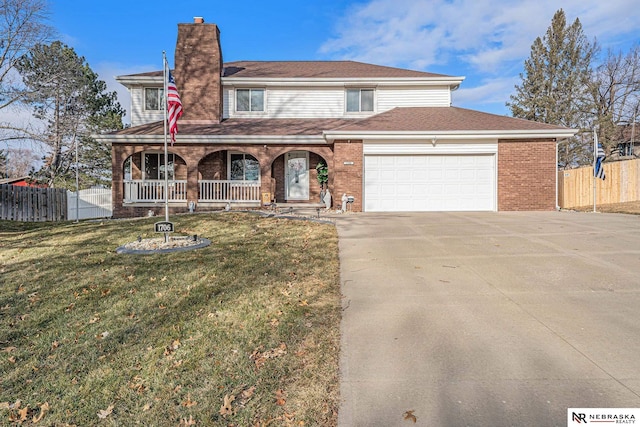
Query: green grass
point(163, 338)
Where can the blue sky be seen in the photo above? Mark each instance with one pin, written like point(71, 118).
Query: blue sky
point(485, 41)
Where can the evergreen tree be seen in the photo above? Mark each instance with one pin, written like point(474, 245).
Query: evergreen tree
point(555, 85)
point(67, 95)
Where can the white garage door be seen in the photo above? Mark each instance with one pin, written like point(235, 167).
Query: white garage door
point(396, 183)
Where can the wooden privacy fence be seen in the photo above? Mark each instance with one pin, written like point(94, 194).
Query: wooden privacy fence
point(575, 186)
point(32, 203)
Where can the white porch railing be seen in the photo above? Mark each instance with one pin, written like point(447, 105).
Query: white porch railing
point(153, 191)
point(229, 191)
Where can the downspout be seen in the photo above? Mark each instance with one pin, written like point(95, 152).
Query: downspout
point(557, 170)
point(557, 205)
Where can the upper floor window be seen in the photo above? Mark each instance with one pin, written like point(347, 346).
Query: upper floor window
point(153, 98)
point(359, 100)
point(249, 99)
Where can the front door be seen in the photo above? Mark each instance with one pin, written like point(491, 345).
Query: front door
point(297, 175)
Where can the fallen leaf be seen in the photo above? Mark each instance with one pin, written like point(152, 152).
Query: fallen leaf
point(104, 413)
point(43, 408)
point(146, 407)
point(23, 413)
point(189, 403)
point(95, 319)
point(409, 416)
point(4, 405)
point(9, 349)
point(303, 303)
point(226, 408)
point(280, 400)
point(102, 335)
point(12, 359)
point(131, 277)
point(260, 358)
point(189, 422)
point(246, 395)
point(55, 345)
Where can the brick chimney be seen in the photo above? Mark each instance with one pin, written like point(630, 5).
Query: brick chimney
point(198, 72)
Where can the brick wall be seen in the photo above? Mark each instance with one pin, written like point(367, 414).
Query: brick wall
point(347, 178)
point(526, 175)
point(198, 69)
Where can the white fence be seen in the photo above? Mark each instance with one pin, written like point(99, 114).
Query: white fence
point(93, 203)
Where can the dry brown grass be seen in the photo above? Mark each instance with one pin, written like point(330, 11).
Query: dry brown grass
point(107, 339)
point(626, 208)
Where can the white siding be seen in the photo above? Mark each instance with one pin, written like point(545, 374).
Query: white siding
point(309, 102)
point(138, 115)
point(433, 96)
point(293, 102)
point(302, 102)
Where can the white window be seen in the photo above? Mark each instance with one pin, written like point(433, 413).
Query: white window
point(249, 100)
point(243, 167)
point(154, 168)
point(359, 100)
point(153, 98)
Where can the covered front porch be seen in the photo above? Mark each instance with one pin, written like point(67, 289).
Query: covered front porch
point(234, 177)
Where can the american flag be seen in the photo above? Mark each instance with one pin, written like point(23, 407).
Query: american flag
point(599, 170)
point(174, 107)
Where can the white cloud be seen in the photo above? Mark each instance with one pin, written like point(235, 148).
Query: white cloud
point(493, 90)
point(482, 38)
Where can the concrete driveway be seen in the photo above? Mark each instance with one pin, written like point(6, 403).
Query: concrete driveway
point(488, 319)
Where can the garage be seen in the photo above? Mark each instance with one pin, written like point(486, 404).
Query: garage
point(429, 182)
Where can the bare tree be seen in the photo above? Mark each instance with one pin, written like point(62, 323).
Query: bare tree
point(17, 162)
point(22, 26)
point(616, 92)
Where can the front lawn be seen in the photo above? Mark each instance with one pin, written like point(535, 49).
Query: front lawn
point(244, 332)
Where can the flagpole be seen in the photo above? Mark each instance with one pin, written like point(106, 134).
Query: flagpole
point(595, 160)
point(166, 150)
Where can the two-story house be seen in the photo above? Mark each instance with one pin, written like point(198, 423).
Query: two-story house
point(254, 131)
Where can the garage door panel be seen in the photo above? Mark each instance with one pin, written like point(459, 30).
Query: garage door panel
point(429, 182)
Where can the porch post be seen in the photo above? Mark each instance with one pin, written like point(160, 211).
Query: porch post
point(192, 180)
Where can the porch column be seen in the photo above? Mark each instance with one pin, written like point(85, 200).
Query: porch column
point(119, 154)
point(192, 181)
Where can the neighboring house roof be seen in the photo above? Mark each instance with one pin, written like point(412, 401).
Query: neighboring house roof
point(399, 122)
point(309, 69)
point(18, 180)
